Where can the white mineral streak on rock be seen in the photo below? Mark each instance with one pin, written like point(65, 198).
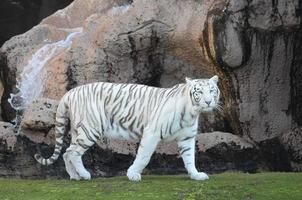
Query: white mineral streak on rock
point(117, 10)
point(30, 83)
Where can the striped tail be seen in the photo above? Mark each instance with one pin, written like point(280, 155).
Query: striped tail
point(61, 124)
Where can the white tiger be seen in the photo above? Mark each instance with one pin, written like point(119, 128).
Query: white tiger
point(132, 111)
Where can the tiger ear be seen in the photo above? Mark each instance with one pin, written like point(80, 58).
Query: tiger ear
point(215, 79)
point(189, 80)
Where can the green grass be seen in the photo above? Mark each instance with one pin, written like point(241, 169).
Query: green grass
point(283, 186)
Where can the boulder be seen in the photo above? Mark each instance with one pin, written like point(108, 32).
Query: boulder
point(38, 121)
point(207, 141)
point(1, 93)
point(292, 141)
point(7, 136)
point(40, 115)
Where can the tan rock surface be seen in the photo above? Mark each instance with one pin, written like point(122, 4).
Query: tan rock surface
point(7, 136)
point(38, 121)
point(206, 141)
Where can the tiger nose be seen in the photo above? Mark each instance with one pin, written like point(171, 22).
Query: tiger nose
point(208, 102)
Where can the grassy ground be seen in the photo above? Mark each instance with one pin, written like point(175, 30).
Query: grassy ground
point(283, 186)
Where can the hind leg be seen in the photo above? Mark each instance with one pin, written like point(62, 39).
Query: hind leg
point(82, 143)
point(75, 158)
point(68, 165)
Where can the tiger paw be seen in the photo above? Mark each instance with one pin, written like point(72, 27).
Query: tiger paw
point(200, 176)
point(134, 176)
point(76, 178)
point(85, 176)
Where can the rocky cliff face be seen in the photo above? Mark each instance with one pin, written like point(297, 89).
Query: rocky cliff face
point(254, 46)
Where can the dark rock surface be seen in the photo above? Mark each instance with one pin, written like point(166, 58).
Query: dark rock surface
point(18, 16)
point(292, 141)
point(105, 162)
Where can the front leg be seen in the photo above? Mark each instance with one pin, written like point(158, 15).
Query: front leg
point(187, 151)
point(145, 150)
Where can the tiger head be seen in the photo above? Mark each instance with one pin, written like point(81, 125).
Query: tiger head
point(204, 93)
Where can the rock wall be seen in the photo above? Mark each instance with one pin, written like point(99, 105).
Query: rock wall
point(254, 46)
point(253, 49)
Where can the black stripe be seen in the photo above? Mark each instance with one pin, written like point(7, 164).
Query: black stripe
point(58, 148)
point(132, 87)
point(127, 100)
point(121, 123)
point(135, 92)
point(161, 97)
point(94, 89)
point(58, 135)
point(141, 130)
point(130, 113)
point(98, 135)
point(160, 105)
point(131, 125)
point(115, 111)
point(99, 96)
point(173, 90)
point(58, 124)
point(50, 160)
point(101, 91)
point(144, 95)
point(118, 94)
point(161, 134)
point(87, 133)
point(184, 150)
point(187, 138)
point(59, 144)
point(171, 124)
point(140, 118)
point(166, 130)
point(117, 106)
point(79, 125)
point(56, 152)
point(109, 95)
point(182, 114)
point(84, 146)
point(149, 100)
